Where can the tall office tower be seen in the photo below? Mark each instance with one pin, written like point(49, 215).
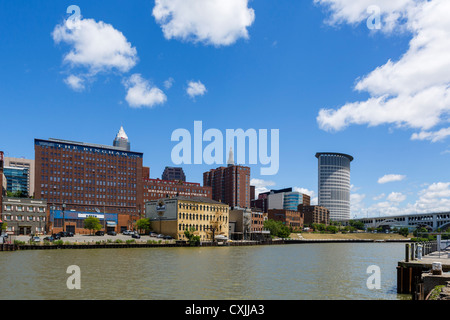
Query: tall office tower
point(334, 184)
point(171, 173)
point(89, 177)
point(121, 140)
point(230, 185)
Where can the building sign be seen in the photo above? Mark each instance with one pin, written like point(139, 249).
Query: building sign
point(88, 215)
point(161, 207)
point(87, 148)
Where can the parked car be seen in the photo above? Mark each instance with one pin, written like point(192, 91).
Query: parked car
point(36, 239)
point(136, 236)
point(127, 232)
point(63, 234)
point(100, 233)
point(167, 238)
point(111, 233)
point(153, 234)
point(56, 236)
point(160, 236)
point(51, 239)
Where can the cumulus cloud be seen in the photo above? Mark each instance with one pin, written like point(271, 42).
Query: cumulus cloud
point(261, 185)
point(434, 197)
point(413, 92)
point(195, 89)
point(432, 136)
point(169, 83)
point(391, 178)
point(140, 93)
point(75, 82)
point(212, 22)
point(396, 197)
point(96, 46)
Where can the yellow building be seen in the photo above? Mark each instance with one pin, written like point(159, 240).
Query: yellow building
point(173, 216)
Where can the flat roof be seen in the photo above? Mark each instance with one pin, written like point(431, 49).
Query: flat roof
point(318, 154)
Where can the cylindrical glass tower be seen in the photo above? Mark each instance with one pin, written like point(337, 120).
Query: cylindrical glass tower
point(334, 184)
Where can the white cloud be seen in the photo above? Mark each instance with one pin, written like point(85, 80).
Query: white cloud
point(413, 92)
point(432, 198)
point(396, 197)
point(261, 186)
point(75, 82)
point(169, 83)
point(432, 136)
point(140, 93)
point(379, 197)
point(212, 22)
point(196, 89)
point(97, 46)
point(391, 178)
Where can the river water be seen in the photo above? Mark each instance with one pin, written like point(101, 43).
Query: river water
point(334, 271)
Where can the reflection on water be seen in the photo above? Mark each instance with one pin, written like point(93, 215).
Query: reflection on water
point(286, 272)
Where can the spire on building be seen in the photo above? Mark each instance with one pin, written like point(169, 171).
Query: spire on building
point(121, 140)
point(231, 158)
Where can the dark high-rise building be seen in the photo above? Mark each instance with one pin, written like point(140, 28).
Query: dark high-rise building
point(171, 173)
point(121, 140)
point(89, 177)
point(230, 185)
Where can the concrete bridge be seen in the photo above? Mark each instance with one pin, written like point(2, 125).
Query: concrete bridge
point(433, 221)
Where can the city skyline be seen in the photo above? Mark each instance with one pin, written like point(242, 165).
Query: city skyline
point(296, 67)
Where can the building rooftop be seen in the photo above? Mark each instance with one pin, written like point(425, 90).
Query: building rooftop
point(334, 154)
point(193, 199)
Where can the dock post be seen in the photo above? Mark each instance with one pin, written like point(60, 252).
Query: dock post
point(407, 254)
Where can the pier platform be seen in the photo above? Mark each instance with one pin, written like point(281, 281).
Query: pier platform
point(419, 260)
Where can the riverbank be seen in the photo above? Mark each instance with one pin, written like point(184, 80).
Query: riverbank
point(350, 236)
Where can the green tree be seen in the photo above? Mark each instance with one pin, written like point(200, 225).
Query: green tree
point(192, 238)
point(357, 224)
point(277, 228)
point(332, 229)
point(92, 224)
point(404, 232)
point(143, 224)
point(421, 232)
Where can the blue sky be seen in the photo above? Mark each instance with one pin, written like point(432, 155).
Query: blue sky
point(275, 66)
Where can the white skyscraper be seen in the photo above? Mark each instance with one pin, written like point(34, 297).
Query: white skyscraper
point(334, 184)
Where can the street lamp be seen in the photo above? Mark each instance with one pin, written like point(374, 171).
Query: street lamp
point(64, 218)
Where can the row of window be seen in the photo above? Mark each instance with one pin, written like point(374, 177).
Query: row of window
point(9, 217)
point(204, 217)
point(21, 208)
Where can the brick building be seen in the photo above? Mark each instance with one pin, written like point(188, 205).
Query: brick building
point(155, 189)
point(289, 218)
point(89, 178)
point(315, 214)
point(172, 173)
point(230, 185)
